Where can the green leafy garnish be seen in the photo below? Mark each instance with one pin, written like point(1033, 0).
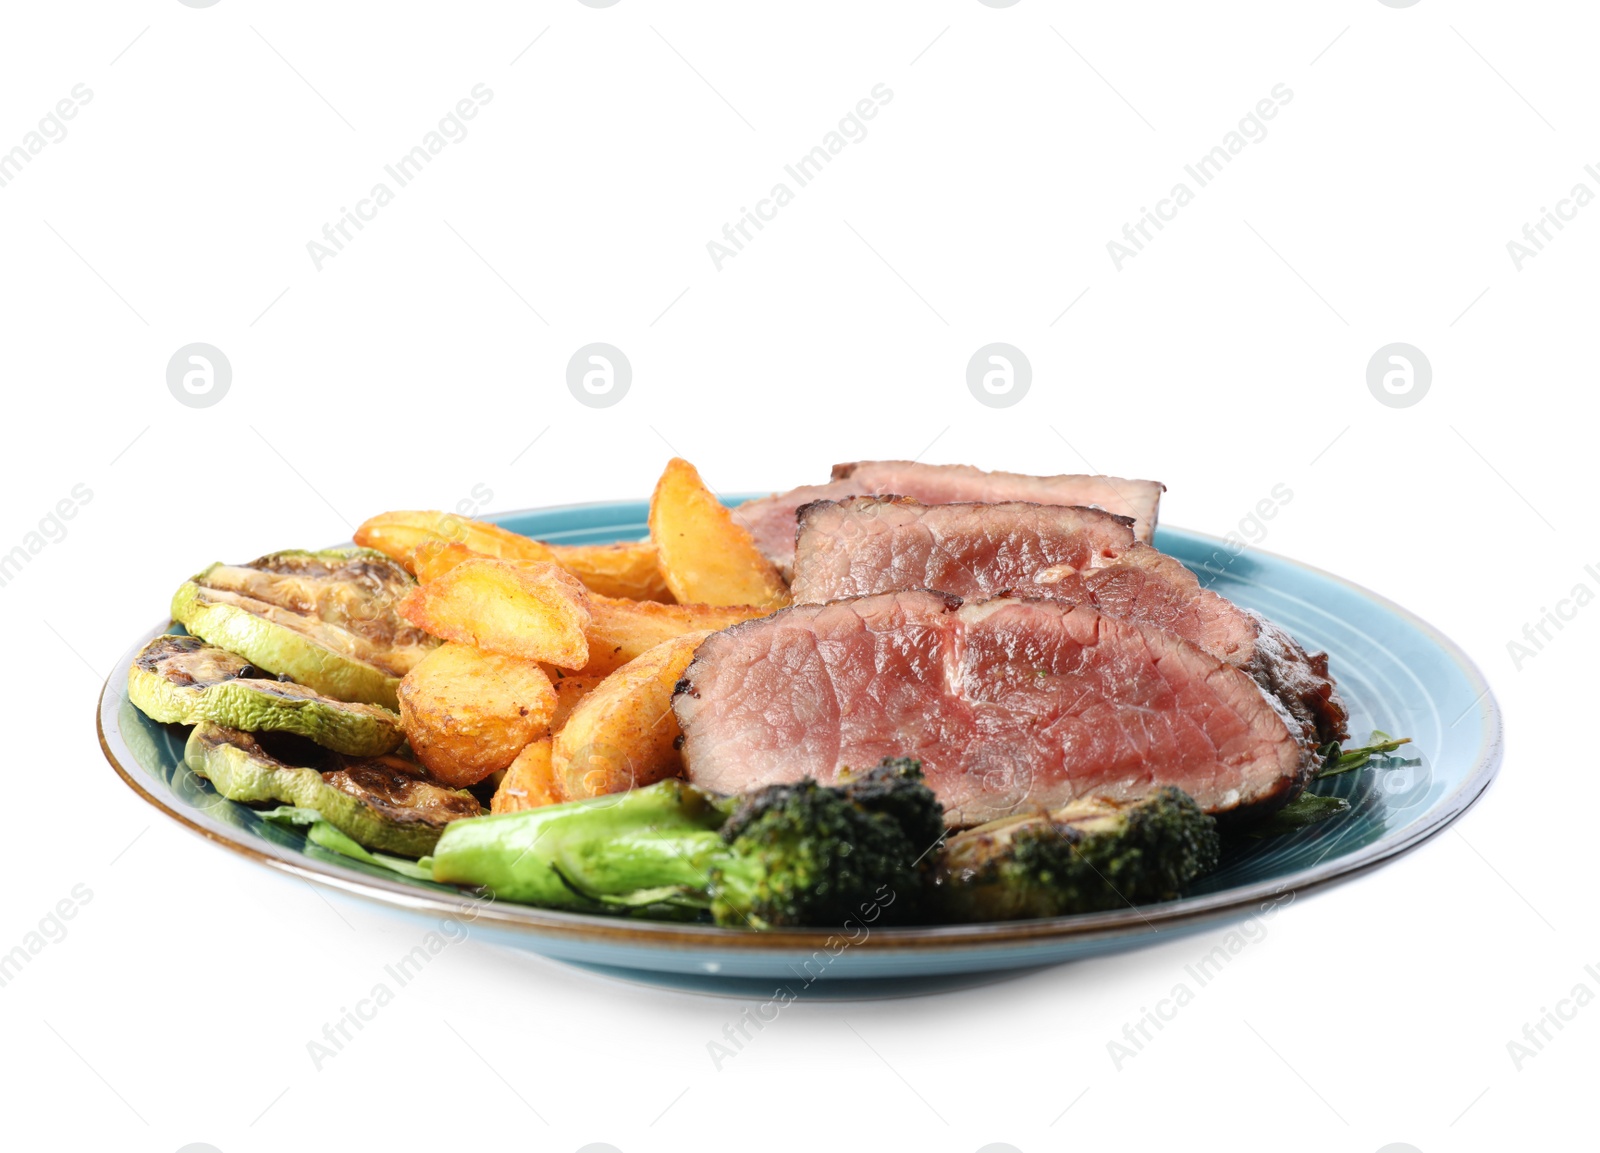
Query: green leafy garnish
point(1306, 809)
point(1309, 808)
point(1336, 760)
point(321, 831)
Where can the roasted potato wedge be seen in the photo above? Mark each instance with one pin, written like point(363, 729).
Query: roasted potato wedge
point(621, 630)
point(397, 541)
point(706, 556)
point(468, 713)
point(623, 735)
point(528, 783)
point(532, 610)
point(396, 534)
point(629, 569)
point(436, 556)
point(570, 689)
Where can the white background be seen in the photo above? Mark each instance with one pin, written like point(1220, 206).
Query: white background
point(1228, 357)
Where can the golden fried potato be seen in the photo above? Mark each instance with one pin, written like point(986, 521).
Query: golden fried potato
point(706, 556)
point(629, 569)
point(621, 630)
point(397, 534)
point(399, 542)
point(626, 571)
point(528, 783)
point(623, 735)
point(570, 689)
point(533, 610)
point(468, 713)
point(436, 556)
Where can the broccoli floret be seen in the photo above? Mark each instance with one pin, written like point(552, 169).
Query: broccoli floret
point(1089, 856)
point(807, 854)
point(786, 855)
point(884, 790)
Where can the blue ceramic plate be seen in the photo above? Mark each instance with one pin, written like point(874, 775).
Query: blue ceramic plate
point(1396, 674)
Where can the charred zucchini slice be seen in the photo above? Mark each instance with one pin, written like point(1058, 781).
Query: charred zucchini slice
point(384, 803)
point(183, 681)
point(325, 620)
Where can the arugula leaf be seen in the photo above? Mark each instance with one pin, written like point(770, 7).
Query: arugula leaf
point(1306, 809)
point(1336, 760)
point(1309, 808)
point(321, 831)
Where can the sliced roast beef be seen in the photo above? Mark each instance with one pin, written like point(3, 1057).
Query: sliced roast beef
point(771, 519)
point(1011, 706)
point(865, 545)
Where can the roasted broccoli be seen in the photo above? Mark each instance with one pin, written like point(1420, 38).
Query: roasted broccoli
point(1089, 856)
point(796, 854)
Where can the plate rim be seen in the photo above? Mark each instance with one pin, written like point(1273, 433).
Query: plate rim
point(601, 930)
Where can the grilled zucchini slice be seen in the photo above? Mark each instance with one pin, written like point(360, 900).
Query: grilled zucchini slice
point(384, 803)
point(181, 680)
point(325, 619)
